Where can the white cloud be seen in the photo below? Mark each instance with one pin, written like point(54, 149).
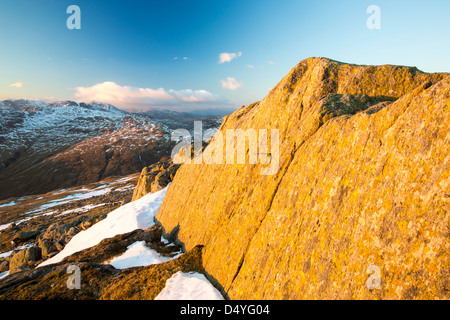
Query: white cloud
point(17, 85)
point(189, 95)
point(132, 98)
point(231, 84)
point(183, 58)
point(227, 57)
point(270, 62)
point(250, 66)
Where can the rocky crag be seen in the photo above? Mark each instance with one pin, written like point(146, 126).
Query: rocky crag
point(363, 181)
point(155, 177)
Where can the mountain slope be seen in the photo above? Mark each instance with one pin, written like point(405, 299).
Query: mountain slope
point(48, 146)
point(46, 236)
point(363, 181)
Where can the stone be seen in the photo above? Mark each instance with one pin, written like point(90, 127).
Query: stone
point(21, 260)
point(152, 234)
point(4, 266)
point(363, 181)
point(55, 231)
point(86, 224)
point(47, 247)
point(11, 227)
point(25, 236)
point(155, 178)
point(72, 231)
point(60, 245)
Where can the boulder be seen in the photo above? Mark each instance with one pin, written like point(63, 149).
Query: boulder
point(12, 227)
point(86, 224)
point(24, 259)
point(354, 190)
point(152, 234)
point(25, 236)
point(47, 247)
point(155, 178)
point(60, 245)
point(4, 265)
point(72, 231)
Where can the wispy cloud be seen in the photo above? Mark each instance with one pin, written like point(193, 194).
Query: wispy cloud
point(250, 66)
point(17, 85)
point(231, 84)
point(227, 57)
point(132, 98)
point(270, 62)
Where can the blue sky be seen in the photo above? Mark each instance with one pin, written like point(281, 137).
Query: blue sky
point(145, 54)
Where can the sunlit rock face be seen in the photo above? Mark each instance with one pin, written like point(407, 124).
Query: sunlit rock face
point(362, 185)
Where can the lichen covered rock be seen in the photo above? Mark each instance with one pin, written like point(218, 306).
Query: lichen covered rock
point(155, 178)
point(363, 181)
point(24, 259)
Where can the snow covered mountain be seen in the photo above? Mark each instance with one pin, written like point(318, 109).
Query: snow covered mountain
point(44, 146)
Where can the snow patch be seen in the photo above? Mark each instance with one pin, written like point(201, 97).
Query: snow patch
point(138, 214)
point(8, 253)
point(8, 204)
point(85, 194)
point(4, 226)
point(82, 209)
point(189, 286)
point(126, 188)
point(138, 255)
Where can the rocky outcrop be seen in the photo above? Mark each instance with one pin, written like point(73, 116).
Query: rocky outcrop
point(99, 280)
point(48, 242)
point(154, 178)
point(363, 185)
point(24, 259)
point(49, 222)
point(58, 234)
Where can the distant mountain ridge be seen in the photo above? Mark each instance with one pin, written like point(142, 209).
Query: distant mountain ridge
point(29, 105)
point(21, 104)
